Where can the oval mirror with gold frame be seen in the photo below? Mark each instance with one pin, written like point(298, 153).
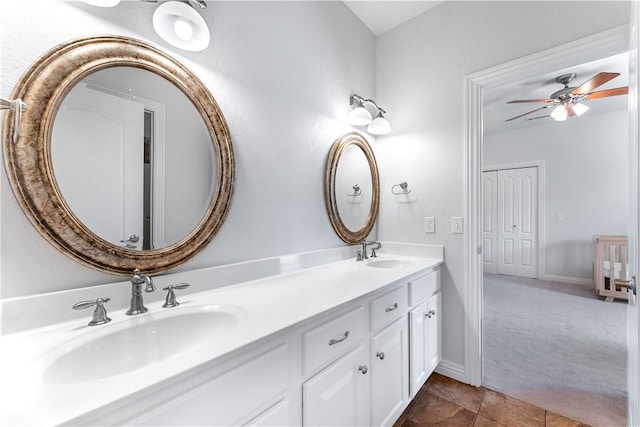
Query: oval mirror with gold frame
point(352, 188)
point(28, 161)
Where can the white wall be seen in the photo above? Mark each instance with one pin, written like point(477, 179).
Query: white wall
point(420, 71)
point(587, 182)
point(282, 73)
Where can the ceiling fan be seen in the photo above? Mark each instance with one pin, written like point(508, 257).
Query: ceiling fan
point(567, 100)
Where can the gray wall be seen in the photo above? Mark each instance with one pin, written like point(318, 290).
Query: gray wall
point(420, 71)
point(282, 72)
point(586, 182)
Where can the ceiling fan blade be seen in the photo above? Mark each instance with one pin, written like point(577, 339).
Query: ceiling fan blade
point(525, 114)
point(607, 92)
point(520, 101)
point(597, 80)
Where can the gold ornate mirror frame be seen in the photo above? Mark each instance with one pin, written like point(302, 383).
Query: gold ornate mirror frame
point(337, 150)
point(28, 161)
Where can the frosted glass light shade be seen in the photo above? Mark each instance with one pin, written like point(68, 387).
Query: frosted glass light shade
point(559, 114)
point(359, 116)
point(379, 126)
point(102, 3)
point(580, 109)
point(171, 19)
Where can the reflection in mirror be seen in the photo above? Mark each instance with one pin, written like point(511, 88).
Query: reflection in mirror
point(76, 177)
point(133, 158)
point(353, 203)
point(352, 188)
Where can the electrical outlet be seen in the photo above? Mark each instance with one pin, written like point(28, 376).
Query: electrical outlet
point(429, 224)
point(456, 225)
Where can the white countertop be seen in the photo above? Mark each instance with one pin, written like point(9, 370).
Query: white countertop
point(267, 306)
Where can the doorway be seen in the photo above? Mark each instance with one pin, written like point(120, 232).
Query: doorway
point(587, 49)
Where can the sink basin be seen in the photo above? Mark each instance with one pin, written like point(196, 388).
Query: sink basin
point(389, 263)
point(129, 345)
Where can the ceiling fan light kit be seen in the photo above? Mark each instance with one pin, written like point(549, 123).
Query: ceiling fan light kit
point(567, 101)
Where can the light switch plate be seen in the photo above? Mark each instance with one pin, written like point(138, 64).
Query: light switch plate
point(456, 225)
point(429, 224)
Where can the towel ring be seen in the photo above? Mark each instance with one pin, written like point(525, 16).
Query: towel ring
point(356, 191)
point(403, 188)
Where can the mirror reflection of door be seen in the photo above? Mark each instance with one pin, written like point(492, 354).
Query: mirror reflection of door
point(105, 132)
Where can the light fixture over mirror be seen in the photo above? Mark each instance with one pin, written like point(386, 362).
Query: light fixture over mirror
point(180, 25)
point(361, 116)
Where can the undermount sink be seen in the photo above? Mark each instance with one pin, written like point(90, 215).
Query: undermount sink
point(134, 343)
point(389, 263)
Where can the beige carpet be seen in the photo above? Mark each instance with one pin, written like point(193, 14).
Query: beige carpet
point(557, 346)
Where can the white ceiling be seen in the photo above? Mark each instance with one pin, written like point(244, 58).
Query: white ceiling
point(380, 16)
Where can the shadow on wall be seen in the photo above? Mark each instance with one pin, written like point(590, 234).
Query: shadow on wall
point(570, 258)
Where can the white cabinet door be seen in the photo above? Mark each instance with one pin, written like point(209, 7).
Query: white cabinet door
point(425, 342)
point(339, 395)
point(389, 373)
point(434, 335)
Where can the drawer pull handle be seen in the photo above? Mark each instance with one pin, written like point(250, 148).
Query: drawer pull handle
point(363, 369)
point(335, 341)
point(430, 313)
point(393, 307)
point(380, 355)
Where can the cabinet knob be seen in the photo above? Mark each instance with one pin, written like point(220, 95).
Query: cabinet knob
point(380, 355)
point(363, 369)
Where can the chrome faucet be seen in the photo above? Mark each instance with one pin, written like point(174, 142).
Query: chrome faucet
point(137, 305)
point(362, 254)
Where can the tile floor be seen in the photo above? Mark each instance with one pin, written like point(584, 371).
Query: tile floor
point(443, 401)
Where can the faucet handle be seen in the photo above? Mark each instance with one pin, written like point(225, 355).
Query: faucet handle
point(99, 314)
point(171, 301)
point(149, 287)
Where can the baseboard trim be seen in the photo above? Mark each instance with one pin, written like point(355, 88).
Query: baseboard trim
point(452, 370)
point(567, 279)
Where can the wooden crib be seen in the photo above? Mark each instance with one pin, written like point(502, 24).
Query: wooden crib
point(611, 266)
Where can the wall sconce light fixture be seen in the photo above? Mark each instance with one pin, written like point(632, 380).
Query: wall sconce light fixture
point(176, 22)
point(180, 25)
point(361, 116)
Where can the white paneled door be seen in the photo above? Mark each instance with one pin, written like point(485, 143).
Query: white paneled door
point(510, 222)
point(490, 222)
point(100, 174)
point(517, 218)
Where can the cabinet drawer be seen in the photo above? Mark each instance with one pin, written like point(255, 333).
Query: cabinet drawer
point(388, 307)
point(235, 394)
point(324, 343)
point(422, 287)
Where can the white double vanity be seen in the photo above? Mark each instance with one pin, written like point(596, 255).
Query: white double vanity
point(320, 339)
